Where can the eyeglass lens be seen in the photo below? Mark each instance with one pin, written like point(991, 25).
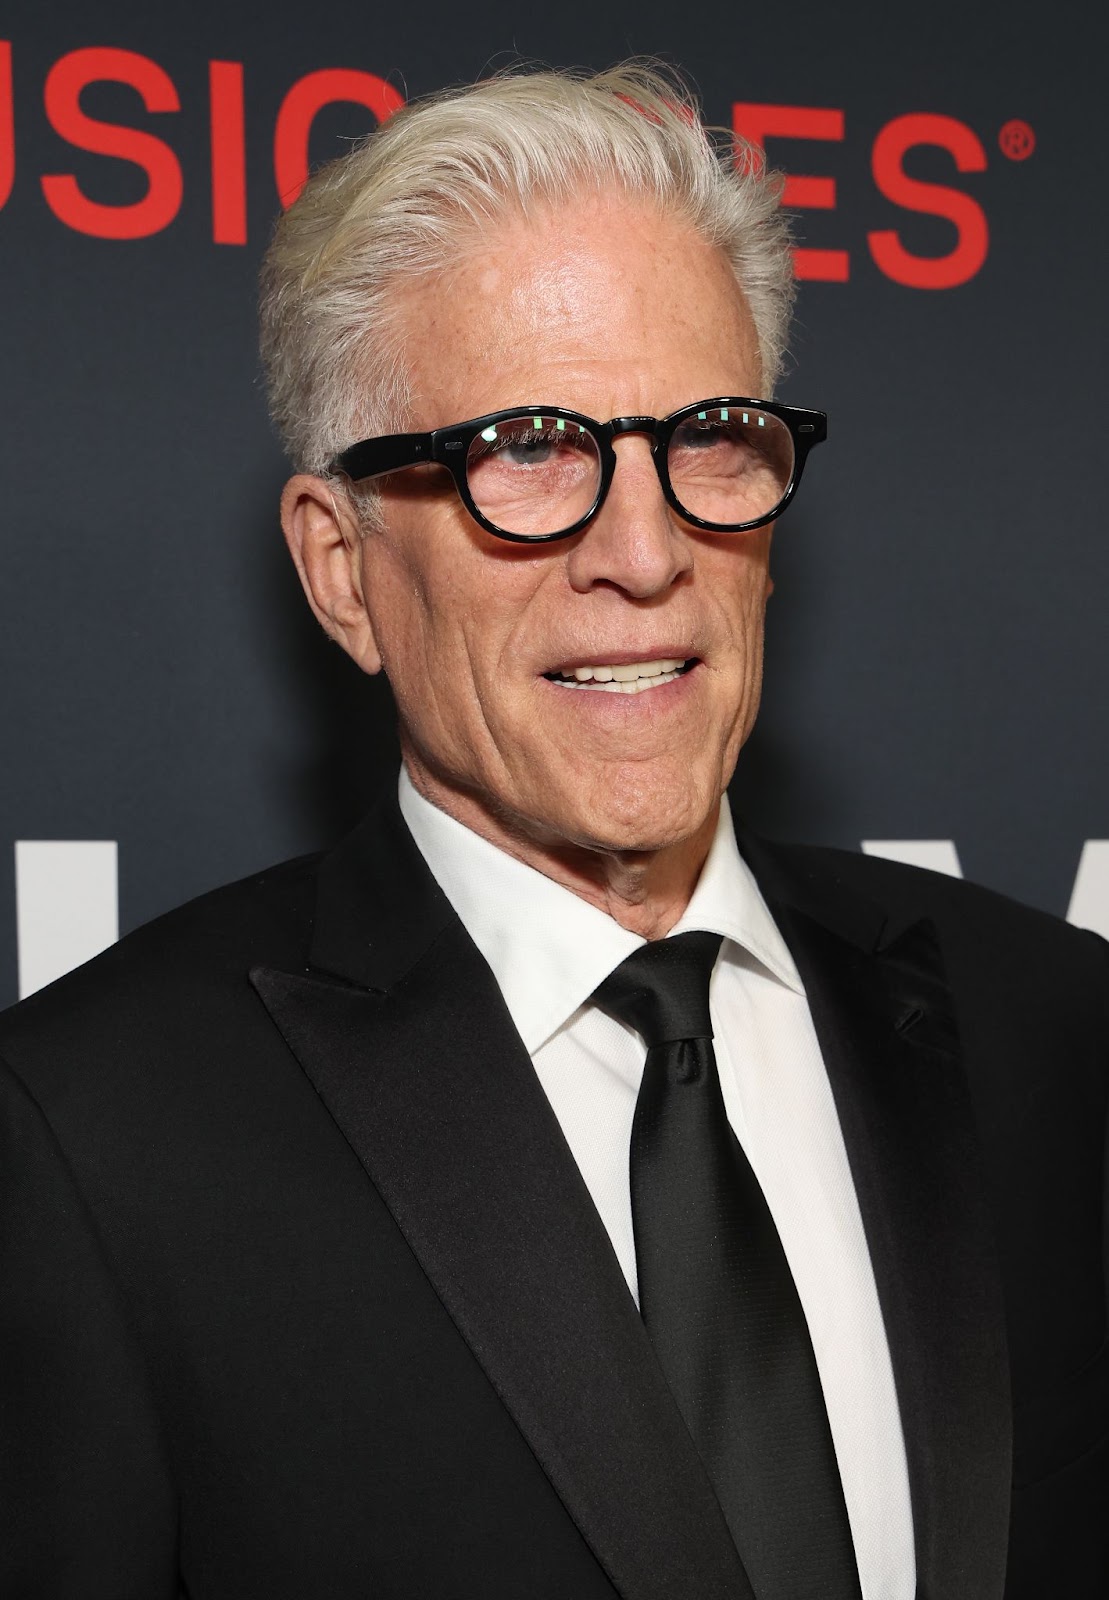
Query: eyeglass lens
point(534, 475)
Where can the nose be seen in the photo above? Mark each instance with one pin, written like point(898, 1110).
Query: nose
point(634, 543)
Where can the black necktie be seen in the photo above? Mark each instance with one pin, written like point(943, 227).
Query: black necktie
point(717, 1296)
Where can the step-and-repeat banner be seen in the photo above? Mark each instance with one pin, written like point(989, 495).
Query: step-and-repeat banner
point(938, 675)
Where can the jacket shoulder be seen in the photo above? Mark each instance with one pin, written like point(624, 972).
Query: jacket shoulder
point(966, 914)
point(191, 959)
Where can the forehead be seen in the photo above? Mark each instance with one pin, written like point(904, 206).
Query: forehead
point(603, 306)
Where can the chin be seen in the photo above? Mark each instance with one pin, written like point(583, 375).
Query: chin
point(642, 813)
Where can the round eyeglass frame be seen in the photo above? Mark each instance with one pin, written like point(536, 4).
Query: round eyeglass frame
point(449, 447)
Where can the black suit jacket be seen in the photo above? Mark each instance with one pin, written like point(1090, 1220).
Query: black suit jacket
point(303, 1294)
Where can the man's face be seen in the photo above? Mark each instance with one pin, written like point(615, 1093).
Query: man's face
point(608, 309)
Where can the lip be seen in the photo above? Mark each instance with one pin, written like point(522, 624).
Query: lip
point(624, 658)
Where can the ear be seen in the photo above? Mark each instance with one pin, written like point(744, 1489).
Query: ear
point(325, 542)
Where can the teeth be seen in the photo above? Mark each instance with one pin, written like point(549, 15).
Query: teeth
point(632, 679)
point(628, 674)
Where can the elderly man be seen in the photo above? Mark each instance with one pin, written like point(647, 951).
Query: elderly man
point(541, 1194)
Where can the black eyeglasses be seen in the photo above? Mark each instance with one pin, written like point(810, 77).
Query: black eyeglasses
point(537, 473)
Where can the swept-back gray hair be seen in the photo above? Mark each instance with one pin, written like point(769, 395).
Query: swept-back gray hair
point(415, 193)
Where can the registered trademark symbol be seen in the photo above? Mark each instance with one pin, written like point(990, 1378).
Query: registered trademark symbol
point(1017, 140)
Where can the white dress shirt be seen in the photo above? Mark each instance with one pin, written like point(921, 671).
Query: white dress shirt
point(548, 950)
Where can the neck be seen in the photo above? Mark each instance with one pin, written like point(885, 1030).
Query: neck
point(645, 891)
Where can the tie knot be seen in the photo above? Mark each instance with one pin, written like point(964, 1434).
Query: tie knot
point(662, 989)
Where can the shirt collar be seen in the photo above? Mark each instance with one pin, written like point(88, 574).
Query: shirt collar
point(548, 948)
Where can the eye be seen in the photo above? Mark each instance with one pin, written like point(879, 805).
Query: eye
point(520, 444)
point(731, 439)
point(533, 474)
point(527, 449)
point(703, 435)
point(700, 435)
point(730, 464)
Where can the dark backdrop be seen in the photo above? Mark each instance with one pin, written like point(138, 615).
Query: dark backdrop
point(937, 667)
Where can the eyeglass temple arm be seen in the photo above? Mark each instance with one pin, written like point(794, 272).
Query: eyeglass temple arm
point(373, 457)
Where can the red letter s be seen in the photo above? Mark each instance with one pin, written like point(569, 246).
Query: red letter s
point(68, 77)
point(929, 272)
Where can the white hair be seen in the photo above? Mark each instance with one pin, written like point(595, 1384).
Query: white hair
point(413, 195)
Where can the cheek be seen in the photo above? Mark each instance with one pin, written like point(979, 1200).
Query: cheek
point(741, 588)
point(444, 613)
point(399, 580)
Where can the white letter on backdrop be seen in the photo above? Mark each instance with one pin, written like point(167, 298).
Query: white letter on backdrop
point(66, 905)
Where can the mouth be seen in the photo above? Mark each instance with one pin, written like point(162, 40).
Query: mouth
point(633, 677)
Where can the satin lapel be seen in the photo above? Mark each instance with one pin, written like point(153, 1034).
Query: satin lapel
point(430, 1084)
point(884, 1018)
